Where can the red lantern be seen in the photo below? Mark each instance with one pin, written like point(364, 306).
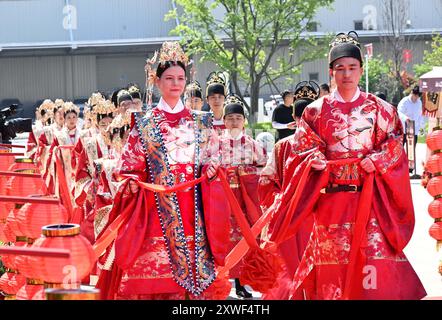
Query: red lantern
point(12, 226)
point(434, 186)
point(32, 290)
point(10, 283)
point(33, 216)
point(3, 237)
point(25, 186)
point(434, 163)
point(24, 164)
point(5, 162)
point(10, 260)
point(435, 209)
point(65, 270)
point(436, 231)
point(26, 265)
point(3, 213)
point(434, 140)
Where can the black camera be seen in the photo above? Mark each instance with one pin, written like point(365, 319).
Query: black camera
point(10, 128)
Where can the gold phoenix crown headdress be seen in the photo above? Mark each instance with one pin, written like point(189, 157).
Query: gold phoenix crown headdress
point(340, 38)
point(59, 103)
point(306, 90)
point(119, 125)
point(70, 106)
point(103, 107)
point(46, 110)
point(46, 105)
point(172, 51)
point(94, 99)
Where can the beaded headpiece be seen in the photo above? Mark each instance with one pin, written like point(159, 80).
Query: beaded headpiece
point(216, 83)
point(194, 89)
point(341, 38)
point(134, 91)
point(234, 104)
point(345, 45)
point(93, 100)
point(123, 95)
point(307, 90)
point(46, 111)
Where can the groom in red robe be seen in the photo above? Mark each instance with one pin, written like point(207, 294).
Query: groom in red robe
point(358, 192)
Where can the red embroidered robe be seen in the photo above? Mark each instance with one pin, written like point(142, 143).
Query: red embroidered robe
point(366, 127)
point(86, 182)
point(61, 138)
point(162, 251)
point(44, 143)
point(273, 182)
point(32, 143)
point(243, 158)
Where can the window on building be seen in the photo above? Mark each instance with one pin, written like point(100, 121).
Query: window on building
point(312, 26)
point(359, 25)
point(314, 76)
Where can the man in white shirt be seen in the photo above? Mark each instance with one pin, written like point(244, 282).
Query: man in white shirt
point(411, 109)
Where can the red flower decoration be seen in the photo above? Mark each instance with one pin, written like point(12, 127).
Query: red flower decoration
point(260, 269)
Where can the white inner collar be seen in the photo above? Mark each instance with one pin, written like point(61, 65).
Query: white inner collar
point(162, 105)
point(228, 135)
point(338, 96)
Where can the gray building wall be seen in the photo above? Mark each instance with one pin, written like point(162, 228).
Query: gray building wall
point(423, 14)
point(32, 21)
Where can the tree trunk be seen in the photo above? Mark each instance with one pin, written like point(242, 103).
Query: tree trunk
point(254, 98)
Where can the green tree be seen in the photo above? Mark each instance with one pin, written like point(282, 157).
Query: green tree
point(378, 73)
point(255, 41)
point(432, 58)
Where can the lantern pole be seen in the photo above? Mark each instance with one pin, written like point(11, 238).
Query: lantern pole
point(12, 145)
point(20, 174)
point(11, 154)
point(42, 200)
point(39, 252)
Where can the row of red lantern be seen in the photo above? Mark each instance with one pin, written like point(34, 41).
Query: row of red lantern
point(27, 221)
point(434, 186)
point(64, 272)
point(17, 186)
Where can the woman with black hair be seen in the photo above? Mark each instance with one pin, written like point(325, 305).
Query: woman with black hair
point(68, 136)
point(162, 249)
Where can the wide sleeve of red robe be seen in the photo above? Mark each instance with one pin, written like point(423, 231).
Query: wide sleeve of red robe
point(369, 128)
